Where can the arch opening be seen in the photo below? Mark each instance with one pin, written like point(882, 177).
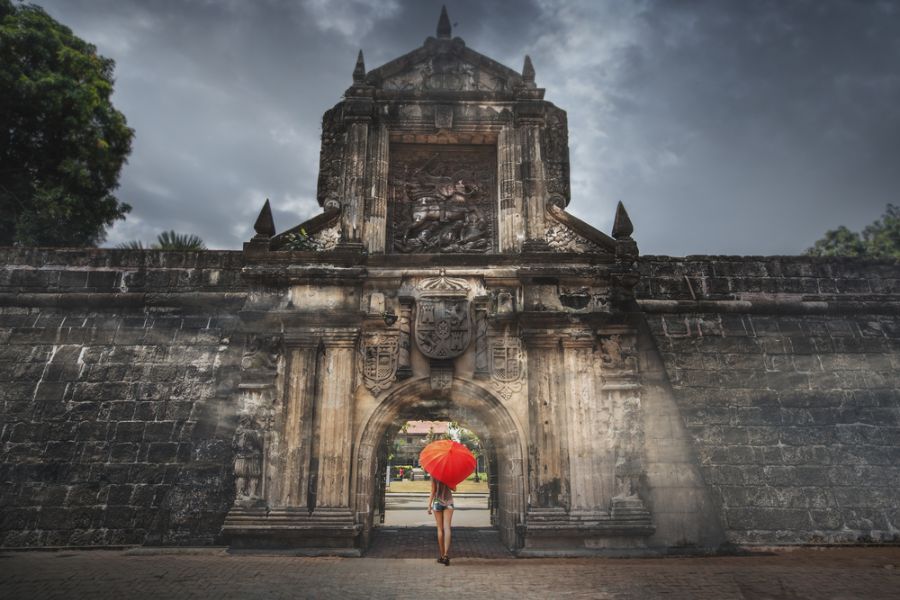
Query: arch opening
point(401, 501)
point(465, 402)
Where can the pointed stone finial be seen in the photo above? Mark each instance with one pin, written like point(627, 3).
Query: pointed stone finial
point(359, 71)
point(622, 227)
point(528, 70)
point(444, 31)
point(265, 225)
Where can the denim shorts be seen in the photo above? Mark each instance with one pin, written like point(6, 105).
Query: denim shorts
point(438, 506)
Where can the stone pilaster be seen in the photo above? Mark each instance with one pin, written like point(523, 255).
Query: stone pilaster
point(334, 413)
point(377, 189)
point(354, 181)
point(589, 493)
point(482, 369)
point(511, 223)
point(297, 420)
point(404, 366)
point(534, 184)
point(546, 414)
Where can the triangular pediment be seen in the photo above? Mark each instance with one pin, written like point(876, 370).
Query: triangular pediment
point(445, 66)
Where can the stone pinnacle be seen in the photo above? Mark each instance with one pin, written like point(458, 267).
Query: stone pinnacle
point(528, 70)
point(622, 227)
point(359, 71)
point(444, 30)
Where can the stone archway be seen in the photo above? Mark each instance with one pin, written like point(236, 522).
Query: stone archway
point(464, 401)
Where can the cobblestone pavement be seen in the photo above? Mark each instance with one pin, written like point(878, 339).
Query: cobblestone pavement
point(843, 574)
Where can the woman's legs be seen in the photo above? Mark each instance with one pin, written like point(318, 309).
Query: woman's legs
point(448, 518)
point(439, 521)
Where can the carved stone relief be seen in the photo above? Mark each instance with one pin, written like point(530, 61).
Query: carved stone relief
point(443, 326)
point(378, 354)
point(562, 239)
point(617, 353)
point(331, 158)
point(259, 363)
point(556, 153)
point(445, 72)
point(326, 239)
point(442, 199)
point(248, 462)
point(507, 364)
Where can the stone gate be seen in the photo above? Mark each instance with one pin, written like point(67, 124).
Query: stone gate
point(445, 279)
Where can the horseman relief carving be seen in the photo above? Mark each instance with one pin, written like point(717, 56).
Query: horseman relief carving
point(442, 199)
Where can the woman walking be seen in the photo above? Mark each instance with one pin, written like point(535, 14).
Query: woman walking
point(440, 503)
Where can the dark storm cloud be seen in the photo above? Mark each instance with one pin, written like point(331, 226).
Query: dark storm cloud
point(725, 126)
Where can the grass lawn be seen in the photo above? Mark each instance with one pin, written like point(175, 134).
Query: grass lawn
point(406, 487)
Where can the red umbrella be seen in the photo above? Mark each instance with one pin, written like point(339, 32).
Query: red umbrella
point(448, 461)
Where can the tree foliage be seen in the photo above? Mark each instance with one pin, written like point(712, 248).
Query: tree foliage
point(62, 143)
point(169, 240)
point(880, 239)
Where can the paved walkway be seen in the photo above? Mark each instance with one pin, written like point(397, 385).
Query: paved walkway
point(421, 542)
point(855, 573)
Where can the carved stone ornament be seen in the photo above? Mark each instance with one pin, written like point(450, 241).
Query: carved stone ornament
point(442, 199)
point(443, 326)
point(446, 73)
point(326, 239)
point(248, 447)
point(616, 353)
point(441, 376)
point(506, 364)
point(562, 239)
point(379, 352)
point(261, 354)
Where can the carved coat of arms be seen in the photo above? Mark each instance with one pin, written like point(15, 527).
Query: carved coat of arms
point(506, 364)
point(443, 327)
point(378, 357)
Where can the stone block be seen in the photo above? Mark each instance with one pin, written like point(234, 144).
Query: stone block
point(124, 452)
point(63, 451)
point(161, 453)
point(826, 519)
point(118, 517)
point(130, 431)
point(159, 431)
point(17, 518)
point(119, 494)
point(52, 518)
point(103, 280)
point(767, 518)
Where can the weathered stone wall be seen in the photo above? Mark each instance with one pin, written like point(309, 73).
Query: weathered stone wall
point(114, 371)
point(786, 371)
point(119, 371)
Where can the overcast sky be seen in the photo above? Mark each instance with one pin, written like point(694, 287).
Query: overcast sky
point(725, 126)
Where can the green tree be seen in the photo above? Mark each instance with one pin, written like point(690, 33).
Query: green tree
point(168, 240)
point(881, 239)
point(62, 143)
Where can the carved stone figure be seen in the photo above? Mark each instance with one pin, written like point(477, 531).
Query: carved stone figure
point(442, 200)
point(617, 352)
point(248, 460)
point(261, 354)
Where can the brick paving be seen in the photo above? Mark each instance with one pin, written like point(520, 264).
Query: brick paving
point(854, 573)
point(421, 542)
